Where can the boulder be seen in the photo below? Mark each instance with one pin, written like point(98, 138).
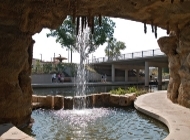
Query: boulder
point(79, 102)
point(124, 100)
point(41, 100)
point(68, 102)
point(58, 102)
point(114, 100)
point(34, 98)
point(89, 101)
point(101, 100)
point(49, 102)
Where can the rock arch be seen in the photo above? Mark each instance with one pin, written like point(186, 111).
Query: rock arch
point(20, 19)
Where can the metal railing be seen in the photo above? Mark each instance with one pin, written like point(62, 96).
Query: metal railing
point(141, 54)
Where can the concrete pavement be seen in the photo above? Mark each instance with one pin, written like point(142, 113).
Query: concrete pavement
point(176, 117)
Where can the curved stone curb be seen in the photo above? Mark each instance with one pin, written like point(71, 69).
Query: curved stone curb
point(176, 117)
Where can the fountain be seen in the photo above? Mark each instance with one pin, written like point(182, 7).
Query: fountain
point(82, 44)
point(93, 123)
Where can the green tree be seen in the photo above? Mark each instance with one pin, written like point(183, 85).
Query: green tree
point(66, 34)
point(38, 66)
point(47, 67)
point(114, 47)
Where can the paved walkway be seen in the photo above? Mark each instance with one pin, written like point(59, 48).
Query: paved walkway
point(176, 117)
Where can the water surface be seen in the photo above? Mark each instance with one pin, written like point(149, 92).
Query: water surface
point(95, 124)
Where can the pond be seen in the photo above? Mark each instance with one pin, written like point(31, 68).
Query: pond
point(95, 124)
point(69, 91)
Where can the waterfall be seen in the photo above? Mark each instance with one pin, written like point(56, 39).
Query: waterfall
point(83, 45)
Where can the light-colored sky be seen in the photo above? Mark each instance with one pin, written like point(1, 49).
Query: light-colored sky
point(130, 32)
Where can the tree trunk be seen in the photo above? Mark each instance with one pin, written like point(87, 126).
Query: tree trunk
point(71, 54)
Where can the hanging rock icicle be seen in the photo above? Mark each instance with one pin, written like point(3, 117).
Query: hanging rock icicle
point(100, 20)
point(78, 21)
point(177, 31)
point(92, 27)
point(155, 31)
point(168, 28)
point(89, 18)
point(152, 26)
point(74, 12)
point(82, 21)
point(145, 28)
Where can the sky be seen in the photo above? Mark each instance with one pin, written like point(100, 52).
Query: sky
point(129, 32)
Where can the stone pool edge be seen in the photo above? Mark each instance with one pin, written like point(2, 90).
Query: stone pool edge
point(174, 116)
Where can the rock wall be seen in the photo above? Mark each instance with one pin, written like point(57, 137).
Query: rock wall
point(184, 71)
point(15, 70)
point(19, 20)
point(177, 48)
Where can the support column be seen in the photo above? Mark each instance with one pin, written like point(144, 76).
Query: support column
point(137, 75)
point(146, 74)
point(113, 73)
point(126, 75)
point(159, 76)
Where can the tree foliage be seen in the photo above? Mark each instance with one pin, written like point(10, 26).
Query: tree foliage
point(66, 34)
point(114, 47)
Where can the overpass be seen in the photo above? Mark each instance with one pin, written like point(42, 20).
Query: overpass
point(141, 60)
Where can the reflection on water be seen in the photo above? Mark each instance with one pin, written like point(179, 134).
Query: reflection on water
point(69, 91)
point(95, 124)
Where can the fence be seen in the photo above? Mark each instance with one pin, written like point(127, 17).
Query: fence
point(141, 54)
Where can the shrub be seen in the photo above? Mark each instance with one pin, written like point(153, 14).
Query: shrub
point(118, 91)
point(129, 90)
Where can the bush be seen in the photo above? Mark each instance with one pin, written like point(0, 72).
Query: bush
point(129, 90)
point(118, 91)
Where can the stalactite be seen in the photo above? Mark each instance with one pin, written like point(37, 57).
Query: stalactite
point(82, 21)
point(168, 28)
point(78, 21)
point(133, 3)
point(74, 12)
point(69, 5)
point(100, 20)
point(155, 31)
point(177, 31)
point(89, 18)
point(181, 0)
point(152, 26)
point(162, 0)
point(172, 1)
point(145, 28)
point(92, 27)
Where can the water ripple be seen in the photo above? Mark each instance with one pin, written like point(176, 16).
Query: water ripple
point(95, 124)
